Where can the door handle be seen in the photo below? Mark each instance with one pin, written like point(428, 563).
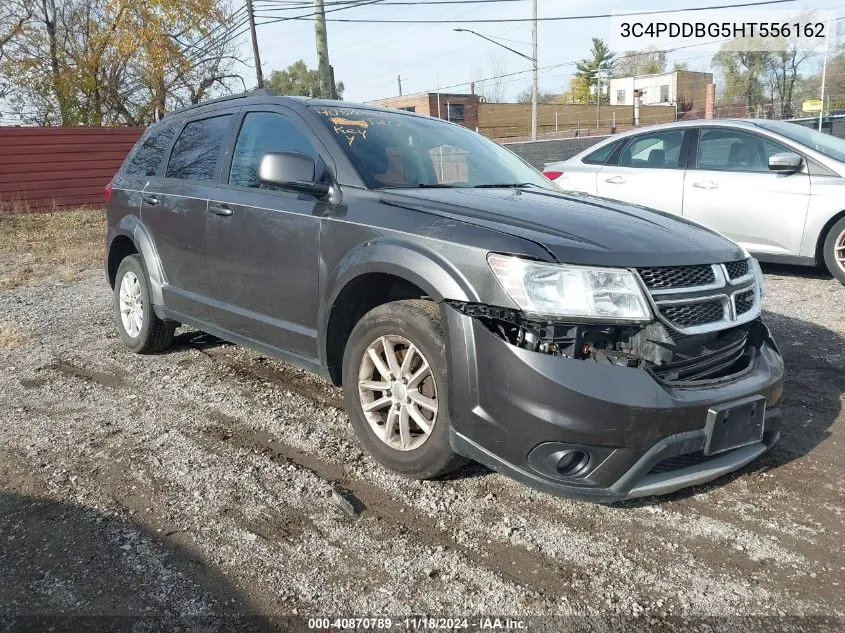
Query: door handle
point(616, 180)
point(705, 184)
point(151, 200)
point(220, 209)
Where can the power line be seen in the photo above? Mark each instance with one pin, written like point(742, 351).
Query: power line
point(572, 63)
point(544, 19)
point(308, 16)
point(292, 6)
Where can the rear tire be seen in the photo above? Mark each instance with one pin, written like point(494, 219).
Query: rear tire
point(137, 324)
point(834, 250)
point(395, 365)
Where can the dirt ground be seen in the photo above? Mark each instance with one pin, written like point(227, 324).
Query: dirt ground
point(187, 489)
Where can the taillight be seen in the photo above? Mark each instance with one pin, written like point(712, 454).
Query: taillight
point(553, 175)
point(107, 192)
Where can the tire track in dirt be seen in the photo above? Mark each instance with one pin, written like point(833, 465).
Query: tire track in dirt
point(512, 563)
point(542, 573)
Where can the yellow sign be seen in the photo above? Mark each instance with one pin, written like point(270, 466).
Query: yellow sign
point(812, 105)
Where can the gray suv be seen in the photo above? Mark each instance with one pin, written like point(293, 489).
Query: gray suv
point(468, 308)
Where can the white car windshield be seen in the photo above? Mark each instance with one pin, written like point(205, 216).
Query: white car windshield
point(391, 149)
point(826, 144)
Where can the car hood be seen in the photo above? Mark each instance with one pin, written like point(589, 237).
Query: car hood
point(575, 228)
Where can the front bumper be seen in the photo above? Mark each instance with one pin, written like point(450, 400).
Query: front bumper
point(515, 410)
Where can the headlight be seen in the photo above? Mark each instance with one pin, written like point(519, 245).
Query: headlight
point(758, 275)
point(561, 290)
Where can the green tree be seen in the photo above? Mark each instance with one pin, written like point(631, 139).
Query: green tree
point(601, 60)
point(14, 14)
point(742, 73)
point(650, 61)
point(107, 62)
point(297, 79)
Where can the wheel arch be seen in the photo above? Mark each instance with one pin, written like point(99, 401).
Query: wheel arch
point(131, 237)
point(376, 273)
point(819, 253)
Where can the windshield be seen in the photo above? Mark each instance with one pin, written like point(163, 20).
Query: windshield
point(390, 149)
point(826, 144)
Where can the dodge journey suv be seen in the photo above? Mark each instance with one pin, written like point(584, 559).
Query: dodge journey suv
point(468, 308)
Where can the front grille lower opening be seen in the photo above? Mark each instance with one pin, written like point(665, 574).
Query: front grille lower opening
point(744, 301)
point(692, 314)
point(679, 462)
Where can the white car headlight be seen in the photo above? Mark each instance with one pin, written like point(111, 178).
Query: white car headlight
point(758, 275)
point(561, 290)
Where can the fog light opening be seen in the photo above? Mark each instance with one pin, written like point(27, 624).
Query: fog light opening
point(572, 462)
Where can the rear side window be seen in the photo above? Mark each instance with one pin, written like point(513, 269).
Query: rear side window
point(197, 149)
point(657, 150)
point(263, 132)
point(600, 156)
point(147, 157)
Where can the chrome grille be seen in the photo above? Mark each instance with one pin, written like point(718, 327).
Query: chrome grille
point(677, 276)
point(690, 314)
point(702, 298)
point(744, 301)
point(738, 269)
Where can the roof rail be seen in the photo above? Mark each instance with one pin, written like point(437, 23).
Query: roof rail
point(257, 92)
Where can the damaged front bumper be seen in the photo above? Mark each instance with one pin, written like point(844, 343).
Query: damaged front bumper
point(604, 431)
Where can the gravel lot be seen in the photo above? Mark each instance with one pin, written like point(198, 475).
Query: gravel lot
point(198, 483)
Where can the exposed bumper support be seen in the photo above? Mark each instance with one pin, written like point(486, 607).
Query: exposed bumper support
point(518, 412)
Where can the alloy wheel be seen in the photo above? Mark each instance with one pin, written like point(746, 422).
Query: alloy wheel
point(131, 304)
point(398, 392)
point(839, 251)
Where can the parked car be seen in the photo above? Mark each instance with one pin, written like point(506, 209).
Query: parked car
point(468, 307)
point(775, 188)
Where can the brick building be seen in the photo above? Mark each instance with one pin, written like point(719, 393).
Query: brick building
point(457, 108)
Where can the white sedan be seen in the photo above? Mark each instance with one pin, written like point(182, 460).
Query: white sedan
point(774, 187)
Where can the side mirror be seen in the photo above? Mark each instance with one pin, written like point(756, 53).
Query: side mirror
point(291, 170)
point(785, 161)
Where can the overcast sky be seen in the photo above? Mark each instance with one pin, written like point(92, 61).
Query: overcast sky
point(368, 57)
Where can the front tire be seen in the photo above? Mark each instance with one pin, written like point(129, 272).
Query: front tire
point(137, 324)
point(834, 250)
point(395, 384)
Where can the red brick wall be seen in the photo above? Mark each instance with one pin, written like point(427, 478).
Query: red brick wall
point(47, 167)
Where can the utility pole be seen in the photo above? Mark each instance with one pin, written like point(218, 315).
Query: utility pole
point(534, 92)
point(323, 69)
point(824, 76)
point(399, 79)
point(259, 75)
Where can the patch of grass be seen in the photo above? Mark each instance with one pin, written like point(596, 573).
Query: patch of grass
point(39, 246)
point(11, 336)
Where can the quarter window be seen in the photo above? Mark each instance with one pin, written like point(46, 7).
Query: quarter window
point(263, 132)
point(730, 150)
point(660, 150)
point(600, 156)
point(147, 157)
point(197, 149)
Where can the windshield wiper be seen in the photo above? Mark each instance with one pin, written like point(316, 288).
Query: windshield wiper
point(439, 185)
point(507, 185)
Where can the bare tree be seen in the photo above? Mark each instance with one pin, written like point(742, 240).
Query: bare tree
point(544, 96)
point(490, 83)
point(782, 74)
